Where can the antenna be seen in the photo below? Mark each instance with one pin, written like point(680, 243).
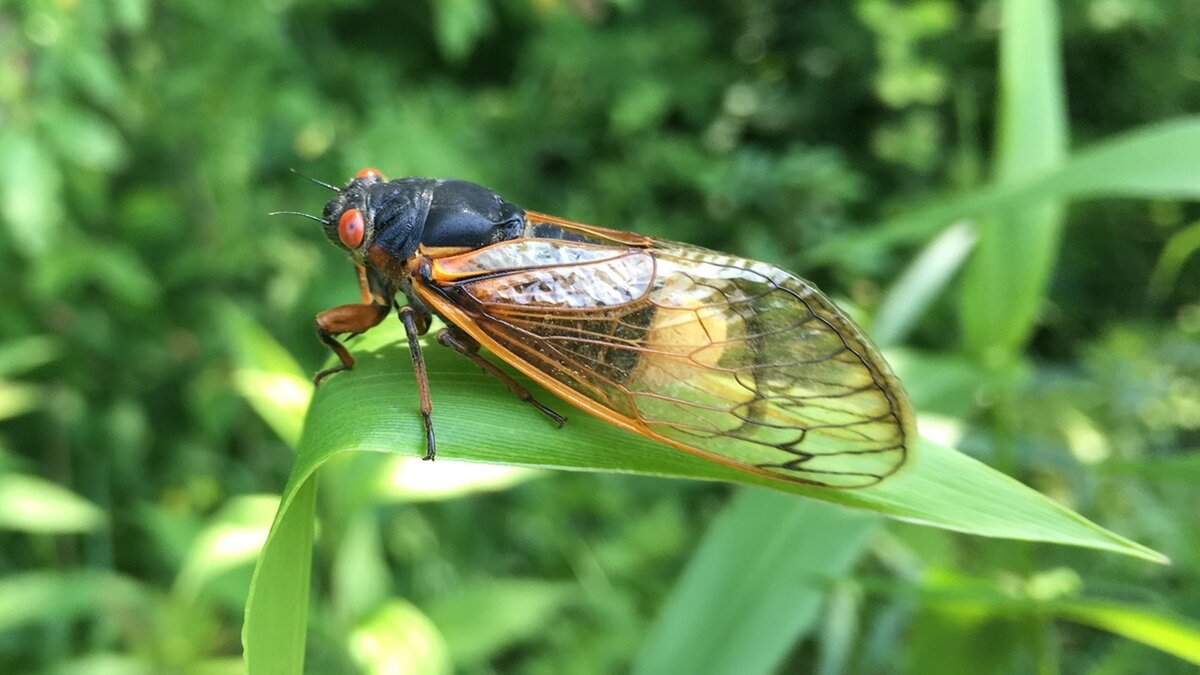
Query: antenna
point(296, 213)
point(318, 182)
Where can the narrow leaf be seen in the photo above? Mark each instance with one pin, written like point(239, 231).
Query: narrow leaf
point(232, 538)
point(1175, 635)
point(32, 504)
point(266, 375)
point(375, 408)
point(478, 420)
point(754, 586)
point(483, 619)
point(1155, 161)
point(1180, 247)
point(59, 596)
point(1006, 278)
point(277, 608)
point(22, 354)
point(921, 283)
point(399, 639)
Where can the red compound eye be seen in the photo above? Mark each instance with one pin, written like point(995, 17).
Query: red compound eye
point(350, 228)
point(369, 172)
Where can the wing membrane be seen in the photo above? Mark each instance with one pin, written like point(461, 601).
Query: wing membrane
point(729, 358)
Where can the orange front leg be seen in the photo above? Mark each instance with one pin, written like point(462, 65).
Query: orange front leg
point(352, 319)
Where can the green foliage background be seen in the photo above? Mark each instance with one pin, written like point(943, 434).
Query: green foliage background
point(142, 144)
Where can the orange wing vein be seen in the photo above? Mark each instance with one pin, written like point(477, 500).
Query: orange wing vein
point(732, 359)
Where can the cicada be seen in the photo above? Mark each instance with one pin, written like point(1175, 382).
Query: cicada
point(734, 360)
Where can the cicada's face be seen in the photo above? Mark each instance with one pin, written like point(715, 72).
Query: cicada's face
point(348, 216)
point(372, 212)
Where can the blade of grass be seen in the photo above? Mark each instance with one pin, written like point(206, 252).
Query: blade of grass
point(266, 375)
point(1051, 595)
point(921, 283)
point(1184, 466)
point(398, 638)
point(43, 597)
point(1005, 280)
point(1154, 161)
point(495, 429)
point(481, 620)
point(375, 408)
point(277, 609)
point(1180, 247)
point(1032, 133)
point(32, 504)
point(719, 620)
point(1175, 635)
point(838, 639)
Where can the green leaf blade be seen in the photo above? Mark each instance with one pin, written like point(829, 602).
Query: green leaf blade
point(482, 619)
point(32, 504)
point(1175, 635)
point(754, 586)
point(273, 635)
point(375, 408)
point(1153, 161)
point(1005, 282)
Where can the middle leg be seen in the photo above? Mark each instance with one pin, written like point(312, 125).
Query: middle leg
point(463, 344)
point(416, 325)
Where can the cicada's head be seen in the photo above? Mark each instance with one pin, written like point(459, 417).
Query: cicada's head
point(371, 210)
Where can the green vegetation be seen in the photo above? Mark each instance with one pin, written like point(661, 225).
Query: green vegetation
point(1002, 192)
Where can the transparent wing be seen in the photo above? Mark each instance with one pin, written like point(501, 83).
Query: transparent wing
point(732, 359)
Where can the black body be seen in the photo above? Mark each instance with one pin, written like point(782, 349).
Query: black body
point(401, 214)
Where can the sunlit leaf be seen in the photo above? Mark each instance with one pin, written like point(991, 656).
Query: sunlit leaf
point(480, 421)
point(17, 398)
point(399, 639)
point(412, 479)
point(459, 24)
point(267, 376)
point(86, 138)
point(20, 355)
point(107, 664)
point(30, 193)
point(1175, 635)
point(32, 504)
point(131, 14)
point(232, 538)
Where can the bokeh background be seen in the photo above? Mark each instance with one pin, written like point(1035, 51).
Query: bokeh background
point(142, 144)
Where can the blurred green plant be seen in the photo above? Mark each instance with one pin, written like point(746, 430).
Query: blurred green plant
point(142, 142)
